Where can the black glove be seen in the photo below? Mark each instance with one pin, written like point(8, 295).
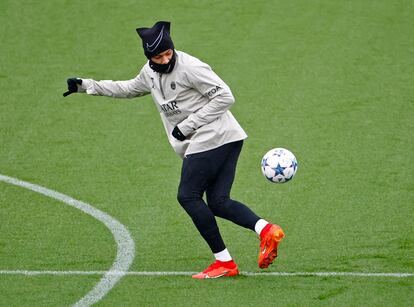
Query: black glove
point(72, 86)
point(178, 134)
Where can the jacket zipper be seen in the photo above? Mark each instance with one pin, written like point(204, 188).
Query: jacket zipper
point(162, 91)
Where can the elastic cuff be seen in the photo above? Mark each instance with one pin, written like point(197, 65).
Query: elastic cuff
point(185, 129)
point(83, 87)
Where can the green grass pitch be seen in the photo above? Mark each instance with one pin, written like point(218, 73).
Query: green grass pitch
point(333, 81)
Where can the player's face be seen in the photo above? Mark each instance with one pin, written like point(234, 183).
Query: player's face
point(163, 57)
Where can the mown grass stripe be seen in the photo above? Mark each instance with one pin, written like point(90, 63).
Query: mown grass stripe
point(185, 273)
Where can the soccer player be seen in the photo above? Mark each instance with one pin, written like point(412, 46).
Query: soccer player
point(194, 107)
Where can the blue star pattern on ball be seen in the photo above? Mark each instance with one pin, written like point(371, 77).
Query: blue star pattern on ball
point(279, 170)
point(264, 162)
point(294, 165)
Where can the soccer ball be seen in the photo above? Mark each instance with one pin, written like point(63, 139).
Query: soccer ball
point(279, 165)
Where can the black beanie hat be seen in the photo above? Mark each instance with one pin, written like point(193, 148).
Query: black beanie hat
point(156, 39)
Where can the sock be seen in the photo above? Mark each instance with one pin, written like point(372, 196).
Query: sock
point(223, 256)
point(260, 224)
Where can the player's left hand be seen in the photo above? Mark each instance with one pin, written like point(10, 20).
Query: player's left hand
point(72, 86)
point(178, 134)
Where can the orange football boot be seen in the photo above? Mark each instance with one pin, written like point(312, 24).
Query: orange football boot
point(268, 245)
point(219, 269)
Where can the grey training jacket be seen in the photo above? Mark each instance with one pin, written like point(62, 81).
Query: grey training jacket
point(192, 96)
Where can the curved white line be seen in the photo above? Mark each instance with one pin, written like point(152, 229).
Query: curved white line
point(125, 245)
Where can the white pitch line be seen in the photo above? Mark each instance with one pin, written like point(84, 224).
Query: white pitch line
point(181, 273)
point(125, 244)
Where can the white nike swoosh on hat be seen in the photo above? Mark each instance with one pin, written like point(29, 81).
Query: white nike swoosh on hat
point(156, 42)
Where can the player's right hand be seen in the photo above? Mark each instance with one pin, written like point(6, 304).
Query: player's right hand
point(178, 134)
point(72, 86)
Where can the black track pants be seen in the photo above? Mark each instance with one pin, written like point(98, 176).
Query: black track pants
point(213, 172)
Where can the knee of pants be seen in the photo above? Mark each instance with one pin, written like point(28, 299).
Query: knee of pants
point(185, 197)
point(218, 205)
